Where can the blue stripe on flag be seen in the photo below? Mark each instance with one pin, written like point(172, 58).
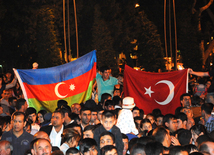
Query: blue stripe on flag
point(59, 73)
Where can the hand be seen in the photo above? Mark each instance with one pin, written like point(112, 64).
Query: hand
point(190, 70)
point(174, 141)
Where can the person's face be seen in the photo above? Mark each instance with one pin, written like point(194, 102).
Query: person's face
point(112, 152)
point(42, 147)
point(99, 115)
point(172, 125)
point(25, 106)
point(110, 107)
point(32, 117)
point(194, 135)
point(190, 123)
point(5, 95)
point(208, 84)
point(126, 146)
point(93, 116)
point(180, 124)
point(150, 118)
point(106, 140)
point(18, 123)
point(88, 134)
point(76, 109)
point(106, 74)
point(159, 121)
point(40, 118)
point(92, 151)
point(188, 112)
point(116, 93)
point(4, 151)
point(57, 119)
point(147, 126)
point(108, 123)
point(186, 102)
point(13, 103)
point(136, 113)
point(86, 116)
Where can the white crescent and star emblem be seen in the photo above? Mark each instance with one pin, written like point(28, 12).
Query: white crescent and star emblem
point(171, 91)
point(71, 87)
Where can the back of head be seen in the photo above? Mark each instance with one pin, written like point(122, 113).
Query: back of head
point(198, 129)
point(104, 97)
point(154, 148)
point(145, 140)
point(202, 138)
point(184, 137)
point(72, 150)
point(117, 100)
point(68, 134)
point(61, 103)
point(86, 144)
point(207, 107)
point(57, 152)
point(204, 148)
point(104, 68)
point(90, 104)
point(176, 150)
point(159, 133)
point(138, 149)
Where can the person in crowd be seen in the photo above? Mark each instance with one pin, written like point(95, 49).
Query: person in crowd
point(56, 129)
point(125, 120)
point(41, 146)
point(66, 110)
point(109, 150)
point(17, 136)
point(151, 117)
point(72, 151)
point(94, 120)
point(117, 102)
point(198, 130)
point(70, 138)
point(41, 118)
point(138, 149)
point(178, 150)
point(89, 131)
point(125, 143)
point(108, 124)
point(105, 82)
point(88, 146)
point(76, 127)
point(106, 138)
point(31, 115)
point(35, 65)
point(109, 105)
point(12, 101)
point(181, 120)
point(185, 100)
point(184, 137)
point(159, 120)
point(100, 111)
point(5, 101)
point(207, 120)
point(28, 127)
point(5, 148)
point(85, 116)
point(75, 108)
point(137, 121)
point(146, 125)
point(207, 147)
point(21, 105)
point(154, 148)
point(4, 86)
point(170, 122)
point(136, 112)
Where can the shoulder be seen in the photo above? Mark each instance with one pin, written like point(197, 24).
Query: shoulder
point(46, 128)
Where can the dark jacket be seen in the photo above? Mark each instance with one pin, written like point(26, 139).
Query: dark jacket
point(117, 134)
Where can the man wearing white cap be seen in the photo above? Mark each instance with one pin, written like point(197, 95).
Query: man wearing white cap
point(125, 118)
point(35, 65)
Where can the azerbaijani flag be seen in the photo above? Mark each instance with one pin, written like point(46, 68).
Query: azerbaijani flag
point(73, 82)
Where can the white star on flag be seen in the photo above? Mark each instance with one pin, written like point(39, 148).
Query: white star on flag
point(72, 87)
point(148, 91)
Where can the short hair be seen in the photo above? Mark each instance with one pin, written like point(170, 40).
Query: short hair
point(124, 136)
point(183, 95)
point(108, 114)
point(29, 111)
point(43, 112)
point(159, 133)
point(84, 109)
point(167, 118)
point(138, 149)
point(90, 127)
point(72, 150)
point(190, 148)
point(109, 102)
point(17, 113)
point(11, 99)
point(178, 110)
point(109, 134)
point(73, 125)
point(135, 108)
point(59, 111)
point(198, 128)
point(107, 148)
point(184, 137)
point(202, 139)
point(57, 152)
point(175, 150)
point(207, 107)
point(117, 100)
point(20, 103)
point(144, 121)
point(61, 103)
point(156, 112)
point(65, 109)
point(68, 134)
point(154, 148)
point(105, 96)
point(182, 116)
point(86, 144)
point(104, 68)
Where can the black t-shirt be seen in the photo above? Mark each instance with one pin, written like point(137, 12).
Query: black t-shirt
point(211, 88)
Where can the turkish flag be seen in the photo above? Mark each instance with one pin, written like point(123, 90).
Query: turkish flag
point(155, 90)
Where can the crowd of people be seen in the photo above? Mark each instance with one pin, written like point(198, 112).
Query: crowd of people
point(107, 124)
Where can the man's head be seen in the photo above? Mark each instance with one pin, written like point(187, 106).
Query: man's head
point(88, 131)
point(105, 72)
point(76, 108)
point(57, 119)
point(125, 143)
point(108, 119)
point(31, 114)
point(93, 115)
point(136, 112)
point(161, 135)
point(117, 101)
point(41, 134)
point(187, 111)
point(170, 122)
point(206, 109)
point(117, 90)
point(100, 111)
point(104, 97)
point(12, 101)
point(85, 116)
point(159, 120)
point(6, 94)
point(181, 120)
point(18, 122)
point(138, 149)
point(207, 147)
point(41, 146)
point(154, 148)
point(185, 100)
point(66, 110)
point(88, 146)
point(5, 148)
point(178, 150)
point(109, 105)
point(21, 105)
point(106, 138)
point(109, 150)
point(72, 151)
point(151, 117)
point(184, 137)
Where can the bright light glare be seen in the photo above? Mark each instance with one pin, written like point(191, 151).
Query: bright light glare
point(137, 5)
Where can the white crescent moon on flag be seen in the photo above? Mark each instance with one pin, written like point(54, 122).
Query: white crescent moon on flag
point(171, 92)
point(57, 92)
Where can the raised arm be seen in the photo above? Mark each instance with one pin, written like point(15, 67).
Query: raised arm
point(12, 84)
point(198, 73)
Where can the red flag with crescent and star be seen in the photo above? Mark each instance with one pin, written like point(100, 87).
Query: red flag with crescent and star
point(155, 90)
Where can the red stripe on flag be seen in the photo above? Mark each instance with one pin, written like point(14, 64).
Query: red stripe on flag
point(62, 89)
